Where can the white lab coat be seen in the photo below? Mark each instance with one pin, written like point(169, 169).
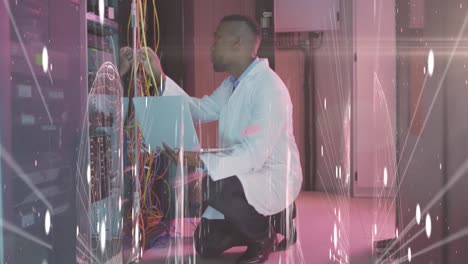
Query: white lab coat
point(256, 122)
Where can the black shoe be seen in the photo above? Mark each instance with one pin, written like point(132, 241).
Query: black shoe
point(259, 251)
point(287, 242)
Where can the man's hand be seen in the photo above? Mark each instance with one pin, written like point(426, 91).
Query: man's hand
point(151, 63)
point(191, 159)
point(126, 60)
point(170, 153)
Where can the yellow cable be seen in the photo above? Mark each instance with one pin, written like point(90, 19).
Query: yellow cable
point(128, 29)
point(130, 88)
point(141, 20)
point(146, 84)
point(154, 35)
point(146, 52)
point(157, 23)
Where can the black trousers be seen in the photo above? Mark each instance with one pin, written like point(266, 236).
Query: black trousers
point(241, 225)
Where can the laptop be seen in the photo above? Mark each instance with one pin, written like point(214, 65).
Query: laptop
point(166, 119)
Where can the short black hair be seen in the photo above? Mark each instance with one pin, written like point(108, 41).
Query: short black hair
point(251, 24)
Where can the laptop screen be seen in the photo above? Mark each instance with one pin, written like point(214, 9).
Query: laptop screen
point(166, 119)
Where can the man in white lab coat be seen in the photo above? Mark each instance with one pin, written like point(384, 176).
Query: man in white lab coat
point(260, 173)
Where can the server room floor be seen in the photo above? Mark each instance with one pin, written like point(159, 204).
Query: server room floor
point(359, 222)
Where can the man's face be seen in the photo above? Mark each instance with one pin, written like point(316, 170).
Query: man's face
point(223, 47)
